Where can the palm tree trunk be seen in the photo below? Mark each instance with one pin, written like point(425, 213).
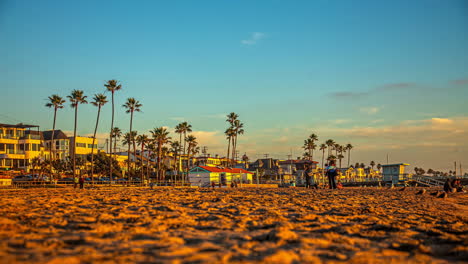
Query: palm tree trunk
point(52, 144)
point(129, 144)
point(142, 163)
point(159, 161)
point(92, 146)
point(229, 146)
point(110, 141)
point(349, 153)
point(179, 164)
point(74, 142)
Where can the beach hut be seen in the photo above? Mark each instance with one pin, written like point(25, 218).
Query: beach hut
point(203, 176)
point(394, 173)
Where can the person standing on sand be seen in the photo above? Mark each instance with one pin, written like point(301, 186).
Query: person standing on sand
point(307, 171)
point(332, 172)
point(82, 180)
point(75, 182)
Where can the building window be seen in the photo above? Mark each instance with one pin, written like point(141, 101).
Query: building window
point(81, 145)
point(2, 147)
point(91, 145)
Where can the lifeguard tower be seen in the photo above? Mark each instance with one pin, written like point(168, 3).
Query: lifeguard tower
point(394, 173)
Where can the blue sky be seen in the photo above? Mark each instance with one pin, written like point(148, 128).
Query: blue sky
point(288, 68)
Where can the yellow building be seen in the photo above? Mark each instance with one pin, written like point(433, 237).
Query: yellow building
point(83, 146)
point(19, 145)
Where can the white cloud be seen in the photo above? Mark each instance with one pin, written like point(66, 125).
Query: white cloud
point(254, 38)
point(372, 110)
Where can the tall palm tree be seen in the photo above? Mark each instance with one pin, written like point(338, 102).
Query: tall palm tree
point(231, 119)
point(330, 143)
point(112, 86)
point(309, 146)
point(76, 98)
point(142, 140)
point(239, 130)
point(314, 138)
point(161, 137)
point(323, 147)
point(99, 100)
point(132, 105)
point(175, 148)
point(192, 144)
point(151, 150)
point(116, 134)
point(336, 147)
point(56, 102)
point(349, 147)
point(179, 129)
point(229, 135)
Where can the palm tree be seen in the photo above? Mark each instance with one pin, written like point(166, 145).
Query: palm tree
point(99, 101)
point(151, 150)
point(192, 143)
point(175, 148)
point(339, 157)
point(183, 128)
point(349, 147)
point(112, 86)
point(161, 137)
point(330, 143)
point(132, 105)
point(309, 146)
point(56, 102)
point(77, 97)
point(238, 129)
point(179, 129)
point(323, 147)
point(230, 132)
point(142, 140)
point(116, 134)
point(313, 137)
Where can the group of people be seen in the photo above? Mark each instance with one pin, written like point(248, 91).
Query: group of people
point(453, 185)
point(331, 171)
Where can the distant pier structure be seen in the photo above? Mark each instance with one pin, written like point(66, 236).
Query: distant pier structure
point(394, 173)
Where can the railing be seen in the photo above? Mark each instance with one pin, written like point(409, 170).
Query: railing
point(427, 180)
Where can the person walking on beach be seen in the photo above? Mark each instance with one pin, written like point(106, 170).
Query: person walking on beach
point(82, 180)
point(332, 172)
point(75, 182)
point(307, 171)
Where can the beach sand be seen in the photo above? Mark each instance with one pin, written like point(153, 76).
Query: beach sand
point(290, 225)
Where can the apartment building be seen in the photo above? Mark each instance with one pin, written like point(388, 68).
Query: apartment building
point(19, 145)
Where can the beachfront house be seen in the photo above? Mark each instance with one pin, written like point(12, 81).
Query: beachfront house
point(394, 173)
point(203, 176)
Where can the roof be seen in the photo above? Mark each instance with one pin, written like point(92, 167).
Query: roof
point(296, 161)
point(396, 164)
point(222, 169)
point(20, 125)
point(58, 134)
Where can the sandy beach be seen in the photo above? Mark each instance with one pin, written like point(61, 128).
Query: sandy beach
point(354, 225)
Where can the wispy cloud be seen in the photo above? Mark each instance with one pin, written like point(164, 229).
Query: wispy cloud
point(383, 88)
point(348, 94)
point(396, 86)
point(370, 110)
point(178, 118)
point(254, 38)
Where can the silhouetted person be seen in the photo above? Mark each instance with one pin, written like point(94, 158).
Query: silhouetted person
point(448, 185)
point(332, 172)
point(82, 180)
point(307, 172)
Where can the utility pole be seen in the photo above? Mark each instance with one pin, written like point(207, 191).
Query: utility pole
point(204, 150)
point(455, 168)
point(266, 156)
point(461, 173)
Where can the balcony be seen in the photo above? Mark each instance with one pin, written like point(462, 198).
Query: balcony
point(37, 137)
